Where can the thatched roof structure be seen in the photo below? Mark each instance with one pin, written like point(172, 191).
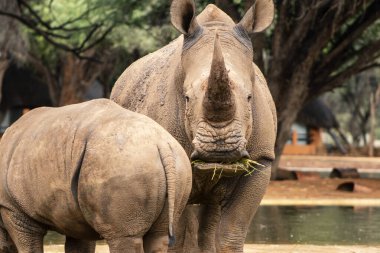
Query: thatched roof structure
point(317, 114)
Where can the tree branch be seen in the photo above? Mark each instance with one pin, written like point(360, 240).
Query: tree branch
point(102, 37)
point(365, 57)
point(300, 32)
point(33, 21)
point(350, 35)
point(370, 66)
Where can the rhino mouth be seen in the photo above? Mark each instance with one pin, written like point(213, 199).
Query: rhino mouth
point(219, 157)
point(226, 144)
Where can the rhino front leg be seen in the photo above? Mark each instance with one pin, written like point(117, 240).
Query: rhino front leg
point(186, 231)
point(26, 234)
point(209, 218)
point(238, 212)
point(79, 246)
point(126, 244)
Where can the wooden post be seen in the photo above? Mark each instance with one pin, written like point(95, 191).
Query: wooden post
point(4, 63)
point(315, 136)
point(294, 137)
point(372, 124)
point(374, 99)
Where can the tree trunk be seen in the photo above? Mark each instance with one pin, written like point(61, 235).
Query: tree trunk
point(288, 106)
point(71, 92)
point(372, 135)
point(77, 77)
point(372, 123)
point(4, 63)
point(290, 92)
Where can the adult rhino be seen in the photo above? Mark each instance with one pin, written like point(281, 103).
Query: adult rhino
point(205, 90)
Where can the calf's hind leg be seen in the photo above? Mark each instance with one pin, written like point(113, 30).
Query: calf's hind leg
point(26, 234)
point(157, 239)
point(79, 246)
point(6, 243)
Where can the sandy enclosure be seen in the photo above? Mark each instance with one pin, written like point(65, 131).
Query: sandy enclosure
point(322, 192)
point(265, 248)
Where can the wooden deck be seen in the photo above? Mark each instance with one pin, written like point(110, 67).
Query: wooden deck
point(300, 162)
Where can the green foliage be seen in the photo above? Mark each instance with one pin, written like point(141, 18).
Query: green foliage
point(142, 26)
point(135, 26)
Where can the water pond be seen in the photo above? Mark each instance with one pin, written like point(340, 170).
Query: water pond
point(319, 225)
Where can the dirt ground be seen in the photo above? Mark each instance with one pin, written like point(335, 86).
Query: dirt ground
point(323, 192)
point(266, 248)
point(323, 188)
point(311, 189)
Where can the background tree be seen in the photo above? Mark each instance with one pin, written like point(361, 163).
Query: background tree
point(313, 46)
point(69, 41)
point(351, 104)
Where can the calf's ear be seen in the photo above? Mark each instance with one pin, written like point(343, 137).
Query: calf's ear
point(258, 17)
point(182, 14)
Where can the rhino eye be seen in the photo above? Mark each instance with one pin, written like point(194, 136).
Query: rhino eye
point(187, 99)
point(249, 97)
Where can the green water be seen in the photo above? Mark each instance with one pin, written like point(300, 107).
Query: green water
point(322, 225)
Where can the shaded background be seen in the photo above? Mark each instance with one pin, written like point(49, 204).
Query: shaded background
point(55, 52)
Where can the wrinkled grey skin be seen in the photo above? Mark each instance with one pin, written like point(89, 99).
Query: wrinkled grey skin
point(90, 171)
point(205, 90)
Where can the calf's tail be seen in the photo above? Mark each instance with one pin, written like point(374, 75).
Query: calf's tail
point(169, 163)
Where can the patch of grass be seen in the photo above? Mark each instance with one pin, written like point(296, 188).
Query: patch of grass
point(249, 166)
point(245, 164)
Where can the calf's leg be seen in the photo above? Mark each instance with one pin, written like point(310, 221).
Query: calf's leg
point(157, 240)
point(6, 243)
point(26, 233)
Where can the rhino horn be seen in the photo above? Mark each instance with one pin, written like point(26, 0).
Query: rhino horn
point(219, 102)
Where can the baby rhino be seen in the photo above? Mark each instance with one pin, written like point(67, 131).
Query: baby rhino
point(90, 171)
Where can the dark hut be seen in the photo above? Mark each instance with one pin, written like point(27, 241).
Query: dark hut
point(316, 116)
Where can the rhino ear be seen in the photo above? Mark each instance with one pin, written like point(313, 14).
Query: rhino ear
point(258, 17)
point(182, 13)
